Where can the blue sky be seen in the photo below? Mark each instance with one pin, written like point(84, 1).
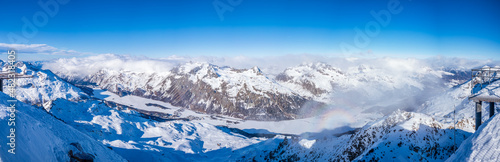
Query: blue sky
point(260, 28)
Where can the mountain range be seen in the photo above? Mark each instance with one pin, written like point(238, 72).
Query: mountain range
point(390, 110)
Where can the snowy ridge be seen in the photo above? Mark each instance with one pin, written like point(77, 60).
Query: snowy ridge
point(312, 80)
point(119, 81)
point(402, 136)
point(44, 86)
point(406, 136)
point(41, 137)
point(203, 87)
point(250, 93)
point(182, 122)
point(234, 79)
point(137, 138)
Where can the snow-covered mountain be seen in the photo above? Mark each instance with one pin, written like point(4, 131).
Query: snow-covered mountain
point(250, 93)
point(138, 138)
point(207, 88)
point(402, 136)
point(44, 86)
point(199, 111)
point(313, 80)
point(41, 137)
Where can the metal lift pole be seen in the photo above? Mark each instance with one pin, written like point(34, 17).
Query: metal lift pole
point(492, 109)
point(479, 105)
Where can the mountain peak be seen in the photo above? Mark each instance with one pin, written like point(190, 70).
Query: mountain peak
point(256, 70)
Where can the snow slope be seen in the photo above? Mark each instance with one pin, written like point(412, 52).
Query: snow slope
point(315, 80)
point(483, 145)
point(401, 136)
point(313, 124)
point(44, 86)
point(137, 138)
point(442, 107)
point(181, 121)
point(407, 136)
point(41, 137)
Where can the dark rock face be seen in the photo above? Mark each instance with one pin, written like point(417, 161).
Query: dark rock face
point(78, 155)
point(188, 94)
point(306, 84)
point(180, 89)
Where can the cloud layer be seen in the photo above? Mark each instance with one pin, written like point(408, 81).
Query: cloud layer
point(270, 65)
point(374, 85)
point(80, 67)
point(43, 49)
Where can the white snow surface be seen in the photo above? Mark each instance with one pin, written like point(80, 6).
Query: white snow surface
point(456, 99)
point(253, 79)
point(373, 85)
point(137, 138)
point(484, 145)
point(41, 137)
point(487, 92)
point(43, 87)
point(401, 136)
point(313, 124)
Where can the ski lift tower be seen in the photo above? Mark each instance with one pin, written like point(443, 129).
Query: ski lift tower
point(485, 89)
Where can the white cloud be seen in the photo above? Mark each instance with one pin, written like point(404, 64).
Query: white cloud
point(40, 49)
point(398, 67)
point(88, 65)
